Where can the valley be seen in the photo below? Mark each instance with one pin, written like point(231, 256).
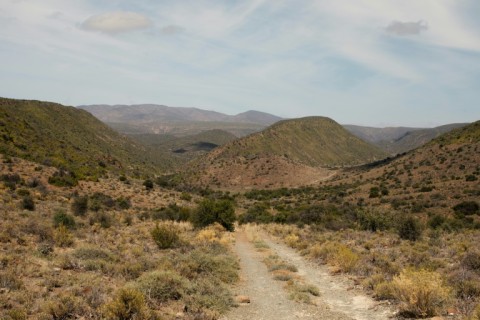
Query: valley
point(100, 224)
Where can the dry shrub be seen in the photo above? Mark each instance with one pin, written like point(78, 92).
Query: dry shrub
point(165, 235)
point(162, 286)
point(336, 254)
point(292, 240)
point(63, 237)
point(476, 313)
point(127, 304)
point(421, 293)
point(64, 307)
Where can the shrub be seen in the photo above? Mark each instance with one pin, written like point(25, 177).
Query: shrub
point(466, 208)
point(374, 192)
point(63, 237)
point(63, 179)
point(409, 229)
point(165, 236)
point(148, 184)
point(10, 281)
point(80, 205)
point(64, 307)
point(471, 261)
point(28, 203)
point(128, 304)
point(421, 293)
point(162, 286)
point(102, 218)
point(185, 196)
point(64, 219)
point(210, 211)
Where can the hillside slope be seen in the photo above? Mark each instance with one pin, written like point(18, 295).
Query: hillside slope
point(69, 138)
point(314, 141)
point(288, 153)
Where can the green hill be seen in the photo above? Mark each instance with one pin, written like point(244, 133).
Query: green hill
point(466, 134)
point(314, 141)
point(69, 138)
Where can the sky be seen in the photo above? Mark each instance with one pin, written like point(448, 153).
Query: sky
point(366, 62)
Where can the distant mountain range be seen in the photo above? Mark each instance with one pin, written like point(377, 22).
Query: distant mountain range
point(395, 140)
point(159, 119)
point(175, 121)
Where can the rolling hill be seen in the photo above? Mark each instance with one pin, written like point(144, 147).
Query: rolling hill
point(69, 138)
point(288, 153)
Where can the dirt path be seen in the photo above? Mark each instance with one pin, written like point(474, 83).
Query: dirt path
point(269, 300)
point(336, 291)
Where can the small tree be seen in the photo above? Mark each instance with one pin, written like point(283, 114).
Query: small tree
point(210, 211)
point(409, 229)
point(80, 206)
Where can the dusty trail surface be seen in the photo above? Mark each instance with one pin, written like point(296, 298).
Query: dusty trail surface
point(336, 291)
point(269, 300)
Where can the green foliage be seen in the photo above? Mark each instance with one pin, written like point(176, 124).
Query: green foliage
point(63, 219)
point(172, 212)
point(35, 131)
point(62, 178)
point(210, 211)
point(165, 236)
point(103, 218)
point(466, 208)
point(80, 205)
point(409, 229)
point(148, 184)
point(374, 192)
point(257, 213)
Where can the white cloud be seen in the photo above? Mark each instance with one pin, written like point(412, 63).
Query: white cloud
point(399, 28)
point(117, 22)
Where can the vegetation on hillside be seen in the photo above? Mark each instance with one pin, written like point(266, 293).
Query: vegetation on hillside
point(70, 139)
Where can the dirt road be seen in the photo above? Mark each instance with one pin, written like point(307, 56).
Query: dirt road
point(269, 300)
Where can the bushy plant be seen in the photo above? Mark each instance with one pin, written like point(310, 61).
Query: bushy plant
point(165, 236)
point(466, 208)
point(421, 293)
point(210, 211)
point(161, 285)
point(148, 184)
point(128, 304)
point(28, 203)
point(409, 229)
point(62, 218)
point(80, 205)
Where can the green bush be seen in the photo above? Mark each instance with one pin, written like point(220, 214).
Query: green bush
point(28, 203)
point(210, 211)
point(409, 229)
point(165, 236)
point(62, 218)
point(466, 208)
point(148, 184)
point(80, 205)
point(63, 179)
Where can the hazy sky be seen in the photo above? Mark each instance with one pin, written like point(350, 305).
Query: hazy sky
point(370, 62)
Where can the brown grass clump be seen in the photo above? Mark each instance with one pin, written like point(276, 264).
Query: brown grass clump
point(127, 304)
point(421, 293)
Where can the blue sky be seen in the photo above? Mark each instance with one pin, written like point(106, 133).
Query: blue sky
point(368, 62)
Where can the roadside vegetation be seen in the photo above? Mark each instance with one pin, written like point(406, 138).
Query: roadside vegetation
point(110, 250)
